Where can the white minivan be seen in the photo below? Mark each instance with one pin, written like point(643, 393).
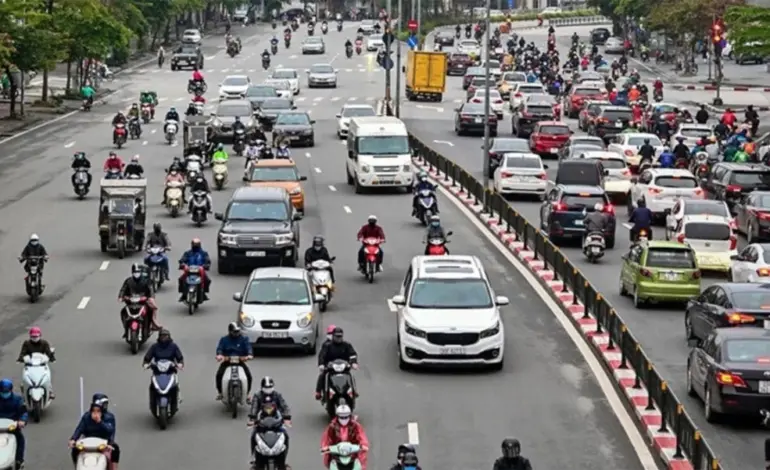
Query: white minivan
point(378, 154)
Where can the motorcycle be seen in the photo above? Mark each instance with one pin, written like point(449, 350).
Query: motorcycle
point(266, 63)
point(320, 274)
point(81, 182)
point(371, 250)
point(324, 29)
point(467, 34)
point(339, 27)
point(426, 206)
point(95, 454)
point(199, 207)
point(641, 235)
point(339, 387)
point(194, 281)
point(344, 456)
point(171, 130)
point(294, 26)
point(644, 56)
point(120, 134)
point(657, 95)
point(136, 324)
point(219, 171)
point(457, 34)
point(624, 69)
point(234, 385)
point(700, 165)
point(33, 280)
point(270, 449)
point(164, 391)
point(36, 384)
point(86, 104)
point(8, 444)
point(174, 197)
point(594, 246)
point(239, 141)
point(349, 52)
point(155, 261)
point(146, 113)
point(437, 246)
point(274, 48)
point(287, 41)
point(359, 45)
point(134, 130)
point(197, 88)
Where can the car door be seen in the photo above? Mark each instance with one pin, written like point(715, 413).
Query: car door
point(698, 311)
point(547, 206)
point(631, 265)
point(704, 356)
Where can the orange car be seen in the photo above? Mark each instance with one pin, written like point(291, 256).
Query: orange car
point(279, 173)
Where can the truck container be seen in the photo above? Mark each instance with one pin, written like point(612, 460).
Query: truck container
point(425, 75)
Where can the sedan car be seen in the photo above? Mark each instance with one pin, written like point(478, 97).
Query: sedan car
point(611, 121)
point(350, 111)
point(527, 116)
point(752, 216)
point(628, 144)
point(269, 110)
point(500, 146)
point(600, 35)
point(257, 94)
point(521, 174)
point(374, 42)
point(296, 126)
point(588, 141)
point(367, 27)
point(659, 271)
point(691, 133)
point(282, 87)
point(726, 305)
point(470, 47)
point(322, 75)
point(752, 264)
point(234, 87)
point(458, 63)
point(192, 36)
point(478, 83)
point(470, 74)
point(712, 240)
point(222, 119)
point(470, 118)
point(445, 38)
point(313, 45)
point(495, 100)
point(614, 46)
point(520, 91)
point(278, 310)
point(290, 75)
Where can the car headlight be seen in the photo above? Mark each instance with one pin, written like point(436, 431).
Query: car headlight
point(246, 320)
point(228, 239)
point(307, 131)
point(412, 331)
point(489, 332)
point(365, 168)
point(284, 239)
point(304, 320)
point(296, 191)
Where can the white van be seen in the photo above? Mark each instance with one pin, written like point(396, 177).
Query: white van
point(378, 153)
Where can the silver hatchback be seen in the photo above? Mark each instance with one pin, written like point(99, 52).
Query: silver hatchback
point(278, 310)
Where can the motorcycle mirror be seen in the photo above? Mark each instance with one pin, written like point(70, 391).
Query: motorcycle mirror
point(338, 116)
point(333, 258)
point(449, 233)
point(212, 114)
point(307, 72)
point(238, 297)
point(297, 216)
point(245, 178)
point(303, 178)
point(219, 216)
point(312, 121)
point(634, 180)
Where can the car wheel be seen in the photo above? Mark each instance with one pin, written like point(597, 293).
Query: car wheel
point(638, 302)
point(688, 330)
point(749, 233)
point(610, 240)
point(708, 412)
point(690, 389)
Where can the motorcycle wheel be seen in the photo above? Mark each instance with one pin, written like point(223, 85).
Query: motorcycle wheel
point(191, 302)
point(323, 305)
point(163, 417)
point(133, 341)
point(370, 269)
point(121, 249)
point(36, 411)
point(34, 292)
point(175, 212)
point(219, 184)
point(119, 144)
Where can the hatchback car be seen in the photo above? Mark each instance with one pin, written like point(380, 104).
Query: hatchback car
point(659, 271)
point(661, 188)
point(521, 174)
point(565, 207)
point(548, 136)
point(599, 36)
point(752, 264)
point(278, 310)
point(470, 118)
point(321, 75)
point(686, 206)
point(313, 45)
point(192, 36)
point(495, 100)
point(629, 143)
point(752, 216)
point(520, 91)
point(296, 126)
point(712, 240)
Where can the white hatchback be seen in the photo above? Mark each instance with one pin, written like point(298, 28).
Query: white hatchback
point(617, 180)
point(691, 133)
point(520, 91)
point(289, 75)
point(192, 36)
point(629, 144)
point(752, 264)
point(374, 42)
point(684, 207)
point(521, 174)
point(712, 240)
point(662, 187)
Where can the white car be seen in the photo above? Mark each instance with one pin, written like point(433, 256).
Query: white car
point(520, 91)
point(448, 314)
point(374, 42)
point(494, 68)
point(691, 133)
point(662, 187)
point(192, 36)
point(349, 111)
point(495, 100)
point(628, 145)
point(234, 87)
point(470, 47)
point(684, 207)
point(752, 264)
point(712, 240)
point(282, 87)
point(290, 75)
point(241, 14)
point(550, 10)
point(617, 180)
point(521, 174)
point(367, 26)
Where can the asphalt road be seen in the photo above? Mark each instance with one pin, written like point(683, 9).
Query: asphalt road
point(660, 330)
point(546, 394)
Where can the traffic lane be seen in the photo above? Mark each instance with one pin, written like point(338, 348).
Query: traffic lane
point(537, 352)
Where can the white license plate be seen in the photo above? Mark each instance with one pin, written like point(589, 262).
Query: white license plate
point(595, 250)
point(670, 276)
point(275, 334)
point(618, 124)
point(256, 254)
point(452, 350)
point(554, 150)
point(294, 137)
point(764, 386)
point(478, 120)
point(579, 223)
point(384, 182)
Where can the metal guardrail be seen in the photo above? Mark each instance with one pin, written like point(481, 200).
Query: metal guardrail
point(579, 21)
point(689, 441)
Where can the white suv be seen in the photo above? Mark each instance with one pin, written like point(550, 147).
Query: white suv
point(448, 314)
point(661, 188)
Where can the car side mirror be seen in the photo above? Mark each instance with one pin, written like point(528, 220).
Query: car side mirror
point(336, 70)
point(245, 178)
point(501, 301)
point(606, 172)
point(338, 116)
point(307, 72)
point(312, 121)
point(704, 181)
point(458, 110)
point(212, 114)
point(219, 216)
point(238, 297)
point(634, 180)
point(736, 258)
point(399, 300)
point(303, 178)
point(293, 107)
point(296, 216)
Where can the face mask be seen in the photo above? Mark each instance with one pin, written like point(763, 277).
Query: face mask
point(196, 249)
point(5, 395)
point(136, 275)
point(267, 391)
point(372, 224)
point(35, 339)
point(342, 421)
point(34, 242)
point(316, 247)
point(157, 231)
point(337, 339)
point(435, 224)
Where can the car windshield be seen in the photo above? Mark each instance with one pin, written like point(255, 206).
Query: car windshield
point(188, 50)
point(762, 201)
point(260, 91)
point(313, 40)
point(235, 81)
point(527, 90)
point(717, 208)
point(383, 145)
point(587, 142)
point(671, 258)
point(750, 178)
point(541, 99)
point(232, 110)
point(639, 141)
point(707, 231)
point(748, 350)
point(578, 149)
point(284, 74)
point(257, 210)
point(554, 130)
point(358, 112)
point(695, 132)
point(684, 182)
point(450, 294)
point(540, 109)
point(522, 162)
point(511, 145)
point(579, 173)
point(618, 115)
point(293, 119)
point(276, 104)
point(594, 77)
point(459, 57)
point(576, 201)
point(754, 299)
point(273, 173)
point(514, 77)
point(587, 91)
point(470, 108)
point(322, 69)
point(277, 291)
point(481, 82)
point(664, 109)
point(612, 163)
point(469, 44)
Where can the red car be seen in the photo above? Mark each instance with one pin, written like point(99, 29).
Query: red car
point(458, 63)
point(548, 136)
point(578, 96)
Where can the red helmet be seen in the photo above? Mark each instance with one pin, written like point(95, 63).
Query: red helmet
point(35, 332)
point(330, 329)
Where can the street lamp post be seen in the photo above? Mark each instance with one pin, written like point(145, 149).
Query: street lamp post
point(486, 97)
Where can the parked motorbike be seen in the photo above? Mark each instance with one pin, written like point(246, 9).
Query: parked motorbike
point(344, 456)
point(339, 387)
point(155, 262)
point(438, 246)
point(33, 280)
point(320, 273)
point(174, 197)
point(95, 454)
point(81, 182)
point(219, 170)
point(426, 206)
point(371, 251)
point(172, 127)
point(270, 449)
point(234, 385)
point(36, 384)
point(136, 322)
point(594, 246)
point(194, 282)
point(146, 112)
point(164, 391)
point(199, 212)
point(120, 135)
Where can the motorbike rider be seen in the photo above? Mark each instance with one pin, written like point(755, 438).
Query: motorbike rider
point(702, 116)
point(36, 344)
point(197, 78)
point(403, 450)
point(728, 118)
point(512, 459)
point(12, 407)
point(646, 151)
point(195, 256)
point(119, 118)
point(319, 251)
point(238, 125)
point(200, 184)
point(220, 155)
point(171, 115)
point(135, 285)
point(164, 349)
point(134, 168)
point(94, 423)
point(681, 150)
point(657, 86)
point(338, 348)
point(422, 184)
point(370, 230)
point(190, 111)
point(274, 41)
point(233, 344)
point(174, 176)
point(88, 93)
point(267, 391)
point(113, 162)
point(641, 218)
point(666, 159)
point(33, 248)
point(344, 427)
point(348, 45)
point(435, 230)
point(159, 238)
point(596, 221)
point(81, 162)
point(282, 148)
point(752, 117)
point(266, 56)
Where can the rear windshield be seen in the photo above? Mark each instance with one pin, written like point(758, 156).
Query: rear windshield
point(706, 208)
point(750, 178)
point(554, 130)
point(530, 89)
point(583, 174)
point(522, 162)
point(673, 258)
point(676, 182)
point(639, 141)
point(694, 132)
point(574, 201)
point(514, 77)
point(664, 109)
point(748, 350)
point(618, 114)
point(477, 82)
point(540, 109)
point(707, 231)
point(613, 163)
point(587, 91)
point(758, 299)
point(460, 57)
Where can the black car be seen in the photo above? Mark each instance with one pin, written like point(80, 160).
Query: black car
point(270, 108)
point(565, 206)
point(730, 181)
point(258, 94)
point(600, 35)
point(611, 121)
point(470, 118)
point(296, 126)
point(726, 305)
point(499, 146)
point(524, 119)
point(730, 372)
point(445, 38)
point(187, 55)
point(752, 215)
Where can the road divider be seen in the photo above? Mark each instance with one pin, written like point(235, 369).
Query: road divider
point(661, 416)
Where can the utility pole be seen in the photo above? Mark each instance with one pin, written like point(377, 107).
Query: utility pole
point(486, 98)
point(388, 48)
point(399, 28)
point(419, 22)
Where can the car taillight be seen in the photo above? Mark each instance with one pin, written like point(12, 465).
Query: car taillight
point(498, 101)
point(763, 272)
point(629, 153)
point(542, 176)
point(737, 318)
point(476, 100)
point(601, 120)
point(560, 207)
point(761, 215)
point(733, 188)
point(465, 117)
point(698, 192)
point(645, 272)
point(609, 209)
point(654, 191)
point(733, 242)
point(696, 275)
point(517, 95)
point(626, 172)
point(680, 238)
point(506, 174)
point(730, 379)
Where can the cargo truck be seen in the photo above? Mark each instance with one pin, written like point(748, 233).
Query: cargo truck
point(425, 75)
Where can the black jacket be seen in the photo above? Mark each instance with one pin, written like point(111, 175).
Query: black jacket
point(331, 351)
point(702, 116)
point(311, 254)
point(33, 250)
point(119, 119)
point(133, 286)
point(681, 151)
point(239, 125)
point(200, 185)
point(595, 222)
point(164, 351)
point(647, 151)
point(518, 463)
point(154, 239)
point(191, 111)
point(172, 116)
point(133, 169)
point(280, 401)
point(79, 163)
point(29, 347)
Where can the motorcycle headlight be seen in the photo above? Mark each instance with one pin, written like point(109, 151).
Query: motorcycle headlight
point(365, 168)
point(489, 332)
point(216, 123)
point(284, 239)
point(304, 320)
point(246, 320)
point(227, 239)
point(410, 330)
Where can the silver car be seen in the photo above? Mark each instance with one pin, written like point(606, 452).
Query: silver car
point(313, 45)
point(278, 310)
point(321, 75)
point(613, 46)
point(222, 120)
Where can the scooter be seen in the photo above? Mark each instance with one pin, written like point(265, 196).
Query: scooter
point(265, 64)
point(193, 167)
point(36, 384)
point(239, 142)
point(339, 27)
point(371, 251)
point(7, 444)
point(437, 246)
point(134, 130)
point(164, 392)
point(234, 385)
point(172, 127)
point(157, 276)
point(174, 197)
point(33, 280)
point(136, 324)
point(120, 135)
point(339, 387)
point(219, 171)
point(269, 450)
point(320, 273)
point(344, 455)
point(81, 182)
point(146, 112)
point(274, 48)
point(349, 52)
point(287, 41)
point(194, 281)
point(95, 454)
point(199, 208)
point(594, 246)
point(426, 206)
point(324, 29)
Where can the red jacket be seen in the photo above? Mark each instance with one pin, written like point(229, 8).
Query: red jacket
point(113, 164)
point(353, 433)
point(197, 76)
point(368, 231)
point(728, 119)
point(199, 99)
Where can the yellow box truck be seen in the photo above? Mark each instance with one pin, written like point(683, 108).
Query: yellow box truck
point(425, 75)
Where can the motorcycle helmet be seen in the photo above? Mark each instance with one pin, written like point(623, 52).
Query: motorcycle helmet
point(195, 244)
point(136, 270)
point(372, 219)
point(157, 229)
point(34, 240)
point(101, 400)
point(337, 335)
point(233, 329)
point(599, 207)
point(511, 448)
point(6, 388)
point(267, 384)
point(164, 336)
point(330, 331)
point(35, 333)
point(403, 449)
point(318, 242)
point(135, 159)
point(343, 414)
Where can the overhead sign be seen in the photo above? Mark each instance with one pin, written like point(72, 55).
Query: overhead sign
point(412, 25)
point(411, 41)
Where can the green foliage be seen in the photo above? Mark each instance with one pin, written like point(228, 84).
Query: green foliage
point(749, 29)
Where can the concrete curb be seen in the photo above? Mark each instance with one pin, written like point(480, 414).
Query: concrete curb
point(647, 415)
point(715, 109)
point(679, 86)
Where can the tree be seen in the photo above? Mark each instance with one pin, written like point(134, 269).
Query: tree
point(749, 29)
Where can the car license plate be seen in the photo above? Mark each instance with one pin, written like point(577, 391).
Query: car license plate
point(595, 250)
point(478, 120)
point(764, 386)
point(256, 254)
point(579, 223)
point(294, 137)
point(452, 350)
point(670, 276)
point(275, 334)
point(554, 150)
point(618, 124)
point(766, 324)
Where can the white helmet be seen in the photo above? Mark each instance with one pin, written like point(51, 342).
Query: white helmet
point(34, 238)
point(372, 218)
point(343, 413)
point(599, 207)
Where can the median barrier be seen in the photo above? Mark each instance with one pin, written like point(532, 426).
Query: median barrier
point(579, 21)
point(660, 415)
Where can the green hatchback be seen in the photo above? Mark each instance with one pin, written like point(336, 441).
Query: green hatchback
point(659, 271)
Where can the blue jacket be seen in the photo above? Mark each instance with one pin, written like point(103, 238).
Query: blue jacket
point(195, 258)
point(164, 352)
point(531, 78)
point(424, 185)
point(641, 217)
point(737, 140)
point(13, 408)
point(667, 160)
point(87, 427)
point(228, 346)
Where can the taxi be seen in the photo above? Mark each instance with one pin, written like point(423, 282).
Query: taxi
point(711, 238)
point(277, 173)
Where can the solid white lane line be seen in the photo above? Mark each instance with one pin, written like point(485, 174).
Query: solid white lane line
point(318, 98)
point(413, 433)
point(69, 145)
point(178, 99)
point(104, 266)
point(332, 188)
point(84, 303)
point(317, 170)
point(225, 70)
point(347, 209)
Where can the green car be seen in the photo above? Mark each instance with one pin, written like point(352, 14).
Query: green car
point(659, 271)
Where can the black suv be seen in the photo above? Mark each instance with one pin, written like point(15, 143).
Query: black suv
point(729, 181)
point(523, 121)
point(611, 121)
point(445, 38)
point(260, 226)
point(599, 36)
point(187, 55)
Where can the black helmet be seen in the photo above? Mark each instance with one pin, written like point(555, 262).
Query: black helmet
point(511, 448)
point(164, 333)
point(267, 384)
point(233, 328)
point(136, 268)
point(318, 242)
point(337, 334)
point(641, 203)
point(101, 400)
point(646, 141)
point(156, 227)
point(403, 449)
